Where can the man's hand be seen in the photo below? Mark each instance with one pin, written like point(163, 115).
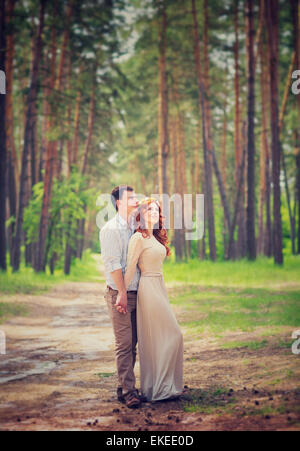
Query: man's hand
point(121, 304)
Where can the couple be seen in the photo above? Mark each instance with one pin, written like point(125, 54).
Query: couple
point(138, 302)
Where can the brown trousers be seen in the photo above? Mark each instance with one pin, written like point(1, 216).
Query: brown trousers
point(125, 331)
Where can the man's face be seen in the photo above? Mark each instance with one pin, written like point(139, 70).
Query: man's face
point(129, 201)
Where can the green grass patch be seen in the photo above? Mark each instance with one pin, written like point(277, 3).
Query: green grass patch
point(207, 401)
point(286, 344)
point(11, 309)
point(26, 281)
point(245, 344)
point(220, 309)
point(283, 408)
point(104, 375)
point(261, 273)
point(275, 382)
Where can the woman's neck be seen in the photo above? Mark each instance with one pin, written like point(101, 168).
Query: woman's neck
point(150, 231)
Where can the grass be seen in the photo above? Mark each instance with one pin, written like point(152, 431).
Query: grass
point(222, 309)
point(26, 281)
point(285, 344)
point(255, 345)
point(104, 375)
point(262, 273)
point(207, 401)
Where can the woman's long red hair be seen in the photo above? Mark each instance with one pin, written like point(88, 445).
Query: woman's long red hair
point(160, 233)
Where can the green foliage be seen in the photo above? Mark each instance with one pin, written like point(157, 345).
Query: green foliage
point(69, 201)
point(32, 214)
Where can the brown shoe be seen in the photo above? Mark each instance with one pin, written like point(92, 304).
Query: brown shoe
point(132, 400)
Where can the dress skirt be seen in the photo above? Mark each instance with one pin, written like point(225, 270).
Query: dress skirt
point(160, 340)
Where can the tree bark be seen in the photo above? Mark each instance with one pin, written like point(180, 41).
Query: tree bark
point(91, 120)
point(174, 153)
point(272, 15)
point(32, 98)
point(51, 169)
point(163, 150)
point(205, 134)
point(2, 140)
point(297, 156)
point(12, 161)
point(251, 245)
point(39, 263)
point(77, 120)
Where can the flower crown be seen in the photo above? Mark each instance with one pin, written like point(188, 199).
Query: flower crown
point(147, 201)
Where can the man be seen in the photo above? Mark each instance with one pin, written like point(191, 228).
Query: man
point(114, 239)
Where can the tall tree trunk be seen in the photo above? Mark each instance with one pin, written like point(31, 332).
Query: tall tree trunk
point(207, 161)
point(51, 157)
point(91, 120)
point(2, 140)
point(297, 156)
point(281, 121)
point(224, 162)
point(295, 64)
point(263, 144)
point(198, 180)
point(237, 92)
point(251, 245)
point(12, 160)
point(174, 153)
point(60, 77)
point(238, 209)
point(39, 263)
point(272, 15)
point(45, 115)
point(77, 120)
point(265, 106)
point(179, 172)
point(32, 98)
point(237, 251)
point(10, 53)
point(163, 150)
point(183, 180)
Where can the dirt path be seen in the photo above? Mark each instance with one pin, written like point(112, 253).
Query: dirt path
point(59, 374)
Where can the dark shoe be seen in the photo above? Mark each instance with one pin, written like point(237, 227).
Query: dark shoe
point(142, 398)
point(120, 395)
point(132, 400)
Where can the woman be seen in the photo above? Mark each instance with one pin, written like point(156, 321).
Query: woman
point(159, 337)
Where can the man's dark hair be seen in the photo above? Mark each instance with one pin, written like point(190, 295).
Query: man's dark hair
point(117, 194)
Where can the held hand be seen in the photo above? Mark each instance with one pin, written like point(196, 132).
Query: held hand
point(121, 304)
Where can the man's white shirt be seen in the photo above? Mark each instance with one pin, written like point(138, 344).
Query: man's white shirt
point(114, 240)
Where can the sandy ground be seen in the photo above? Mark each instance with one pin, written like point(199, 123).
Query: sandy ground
point(59, 374)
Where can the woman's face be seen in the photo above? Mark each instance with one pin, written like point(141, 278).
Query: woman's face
point(151, 215)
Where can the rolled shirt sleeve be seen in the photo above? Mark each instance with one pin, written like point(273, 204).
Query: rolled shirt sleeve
point(111, 250)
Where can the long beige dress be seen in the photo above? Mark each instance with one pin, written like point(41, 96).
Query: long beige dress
point(160, 340)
